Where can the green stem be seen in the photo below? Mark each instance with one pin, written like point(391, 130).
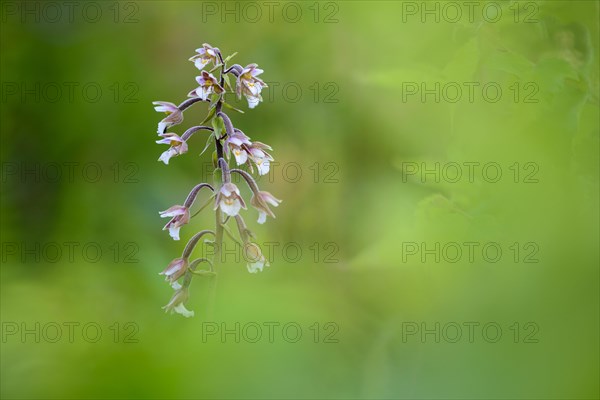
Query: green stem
point(212, 297)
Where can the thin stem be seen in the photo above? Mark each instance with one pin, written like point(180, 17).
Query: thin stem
point(230, 234)
point(212, 297)
point(225, 170)
point(187, 134)
point(197, 261)
point(193, 241)
point(187, 103)
point(227, 122)
point(208, 201)
point(189, 201)
point(242, 228)
point(235, 69)
point(248, 178)
point(219, 147)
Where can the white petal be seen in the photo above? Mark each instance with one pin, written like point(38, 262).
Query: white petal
point(262, 217)
point(203, 92)
point(255, 266)
point(231, 209)
point(252, 101)
point(180, 309)
point(263, 166)
point(176, 285)
point(174, 232)
point(200, 63)
point(240, 156)
point(165, 156)
point(162, 126)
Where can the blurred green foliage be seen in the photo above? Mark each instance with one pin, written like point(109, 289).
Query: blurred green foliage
point(364, 202)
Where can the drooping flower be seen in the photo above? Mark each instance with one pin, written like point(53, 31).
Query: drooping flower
point(180, 216)
point(175, 270)
point(249, 85)
point(261, 201)
point(237, 143)
point(178, 146)
point(260, 157)
point(254, 258)
point(208, 85)
point(176, 304)
point(174, 117)
point(229, 199)
point(206, 54)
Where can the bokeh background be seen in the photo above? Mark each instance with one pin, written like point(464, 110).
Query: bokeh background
point(339, 111)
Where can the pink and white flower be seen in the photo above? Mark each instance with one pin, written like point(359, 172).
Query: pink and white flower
point(180, 215)
point(175, 270)
point(237, 144)
point(176, 304)
point(260, 201)
point(229, 199)
point(174, 117)
point(206, 54)
point(254, 258)
point(208, 85)
point(260, 157)
point(249, 85)
point(178, 146)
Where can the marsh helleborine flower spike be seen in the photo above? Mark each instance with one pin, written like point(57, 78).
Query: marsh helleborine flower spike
point(228, 200)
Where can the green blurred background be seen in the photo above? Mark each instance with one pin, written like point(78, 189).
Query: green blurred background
point(355, 135)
